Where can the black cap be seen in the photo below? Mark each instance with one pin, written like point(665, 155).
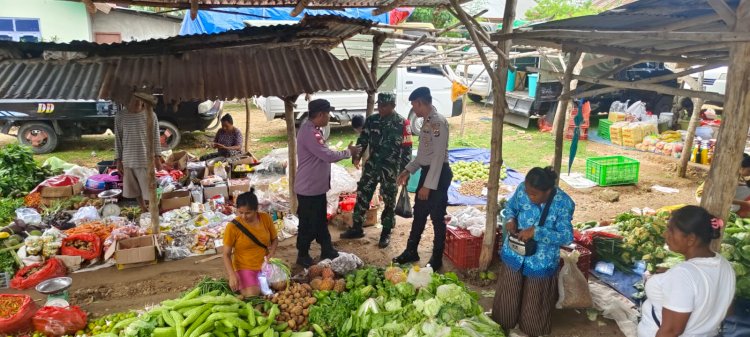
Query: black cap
point(421, 92)
point(319, 105)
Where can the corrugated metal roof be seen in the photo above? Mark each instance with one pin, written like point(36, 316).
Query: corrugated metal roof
point(315, 4)
point(643, 15)
point(223, 73)
point(324, 31)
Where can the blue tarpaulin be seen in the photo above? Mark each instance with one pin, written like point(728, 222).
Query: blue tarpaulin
point(622, 282)
point(209, 22)
point(481, 155)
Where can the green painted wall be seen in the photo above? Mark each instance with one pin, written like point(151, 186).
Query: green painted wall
point(63, 21)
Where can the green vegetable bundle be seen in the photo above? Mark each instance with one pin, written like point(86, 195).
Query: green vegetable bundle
point(735, 247)
point(642, 240)
point(19, 173)
point(210, 314)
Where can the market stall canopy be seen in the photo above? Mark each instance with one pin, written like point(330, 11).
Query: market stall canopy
point(681, 31)
point(268, 61)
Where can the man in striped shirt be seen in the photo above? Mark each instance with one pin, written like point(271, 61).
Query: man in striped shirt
point(131, 146)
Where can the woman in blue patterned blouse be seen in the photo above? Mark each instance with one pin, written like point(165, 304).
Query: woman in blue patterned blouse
point(527, 289)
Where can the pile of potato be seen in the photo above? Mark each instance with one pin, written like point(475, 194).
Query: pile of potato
point(294, 303)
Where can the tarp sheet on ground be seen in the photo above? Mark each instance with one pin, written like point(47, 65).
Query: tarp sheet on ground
point(210, 22)
point(514, 178)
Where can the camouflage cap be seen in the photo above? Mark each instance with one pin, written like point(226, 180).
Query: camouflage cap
point(387, 97)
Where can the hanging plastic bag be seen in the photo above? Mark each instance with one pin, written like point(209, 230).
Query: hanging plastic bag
point(20, 320)
point(29, 216)
point(572, 285)
point(277, 274)
point(58, 321)
point(403, 205)
point(30, 276)
point(88, 246)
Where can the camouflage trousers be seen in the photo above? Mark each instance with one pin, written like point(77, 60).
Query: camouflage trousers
point(371, 177)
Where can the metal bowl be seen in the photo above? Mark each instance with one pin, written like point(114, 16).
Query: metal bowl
point(54, 285)
point(110, 194)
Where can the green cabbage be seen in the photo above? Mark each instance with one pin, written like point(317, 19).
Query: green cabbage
point(451, 313)
point(393, 305)
point(451, 293)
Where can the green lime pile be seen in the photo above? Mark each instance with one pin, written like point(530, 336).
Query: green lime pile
point(473, 170)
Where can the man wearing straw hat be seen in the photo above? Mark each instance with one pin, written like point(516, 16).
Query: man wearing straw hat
point(131, 146)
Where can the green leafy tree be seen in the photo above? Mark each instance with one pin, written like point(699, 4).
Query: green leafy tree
point(437, 17)
point(547, 10)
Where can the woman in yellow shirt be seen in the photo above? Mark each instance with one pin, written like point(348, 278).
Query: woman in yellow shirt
point(248, 240)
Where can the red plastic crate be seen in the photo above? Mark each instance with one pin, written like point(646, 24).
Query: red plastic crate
point(463, 249)
point(584, 133)
point(584, 260)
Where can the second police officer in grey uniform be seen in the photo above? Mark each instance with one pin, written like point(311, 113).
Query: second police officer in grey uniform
point(436, 177)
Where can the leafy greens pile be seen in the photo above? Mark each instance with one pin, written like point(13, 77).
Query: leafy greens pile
point(444, 308)
point(19, 173)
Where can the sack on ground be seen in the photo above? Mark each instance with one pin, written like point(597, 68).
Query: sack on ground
point(403, 205)
point(86, 245)
point(58, 321)
point(572, 285)
point(20, 320)
point(30, 276)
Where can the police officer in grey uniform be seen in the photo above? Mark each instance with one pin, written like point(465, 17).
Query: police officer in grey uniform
point(436, 177)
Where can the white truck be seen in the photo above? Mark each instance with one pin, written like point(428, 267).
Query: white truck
point(402, 81)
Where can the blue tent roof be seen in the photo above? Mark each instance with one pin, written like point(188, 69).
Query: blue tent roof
point(210, 22)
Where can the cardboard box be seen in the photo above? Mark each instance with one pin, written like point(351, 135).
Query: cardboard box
point(238, 185)
point(178, 160)
point(174, 200)
point(62, 191)
point(212, 191)
point(371, 217)
point(136, 252)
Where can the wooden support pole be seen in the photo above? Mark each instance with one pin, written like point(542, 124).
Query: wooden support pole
point(247, 126)
point(499, 109)
point(478, 31)
point(730, 144)
point(562, 110)
point(377, 42)
point(291, 135)
point(395, 64)
point(573, 85)
point(301, 4)
point(465, 103)
point(387, 8)
point(153, 203)
point(688, 146)
point(725, 12)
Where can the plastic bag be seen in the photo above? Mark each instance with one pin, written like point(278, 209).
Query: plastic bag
point(220, 170)
point(419, 277)
point(572, 285)
point(291, 227)
point(85, 214)
point(275, 274)
point(57, 321)
point(21, 319)
point(29, 215)
point(637, 109)
point(403, 205)
point(346, 263)
point(93, 241)
point(176, 253)
point(27, 278)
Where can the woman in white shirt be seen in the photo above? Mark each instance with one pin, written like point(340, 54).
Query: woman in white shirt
point(692, 298)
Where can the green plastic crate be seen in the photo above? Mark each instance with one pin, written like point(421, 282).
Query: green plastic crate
point(612, 170)
point(603, 130)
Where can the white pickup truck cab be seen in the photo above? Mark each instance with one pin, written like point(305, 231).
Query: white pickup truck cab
point(402, 81)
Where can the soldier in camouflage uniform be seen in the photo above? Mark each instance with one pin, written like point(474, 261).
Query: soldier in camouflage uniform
point(388, 137)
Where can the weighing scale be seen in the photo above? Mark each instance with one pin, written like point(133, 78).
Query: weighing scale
point(56, 290)
point(109, 201)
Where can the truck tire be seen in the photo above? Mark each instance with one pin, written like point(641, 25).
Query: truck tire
point(475, 98)
point(326, 129)
point(41, 137)
point(416, 123)
point(170, 142)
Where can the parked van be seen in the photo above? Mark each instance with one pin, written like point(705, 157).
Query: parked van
point(401, 81)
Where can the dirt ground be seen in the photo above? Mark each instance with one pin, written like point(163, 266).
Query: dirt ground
point(109, 290)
